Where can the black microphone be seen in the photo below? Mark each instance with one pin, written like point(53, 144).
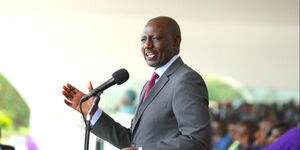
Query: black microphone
point(118, 77)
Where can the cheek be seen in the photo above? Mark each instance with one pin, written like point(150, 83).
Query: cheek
point(142, 51)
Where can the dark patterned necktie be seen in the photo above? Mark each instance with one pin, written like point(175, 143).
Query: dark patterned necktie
point(151, 84)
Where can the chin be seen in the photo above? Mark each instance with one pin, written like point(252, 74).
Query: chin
point(152, 64)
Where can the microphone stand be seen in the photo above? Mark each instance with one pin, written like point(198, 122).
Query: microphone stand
point(88, 120)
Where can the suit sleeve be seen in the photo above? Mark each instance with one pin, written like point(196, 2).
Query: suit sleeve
point(107, 129)
point(190, 107)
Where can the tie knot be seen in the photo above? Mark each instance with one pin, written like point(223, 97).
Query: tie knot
point(154, 76)
point(151, 83)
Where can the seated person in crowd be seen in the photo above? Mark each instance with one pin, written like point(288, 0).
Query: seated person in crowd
point(276, 132)
point(288, 141)
point(221, 139)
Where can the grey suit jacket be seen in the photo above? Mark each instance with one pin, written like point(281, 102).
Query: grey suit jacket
point(174, 116)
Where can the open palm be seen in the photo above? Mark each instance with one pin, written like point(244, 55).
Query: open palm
point(73, 96)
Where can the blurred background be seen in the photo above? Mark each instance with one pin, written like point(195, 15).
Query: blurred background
point(247, 52)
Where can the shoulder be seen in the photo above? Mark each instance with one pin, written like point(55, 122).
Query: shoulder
point(189, 80)
point(185, 72)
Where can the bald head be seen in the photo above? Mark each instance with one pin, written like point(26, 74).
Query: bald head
point(170, 24)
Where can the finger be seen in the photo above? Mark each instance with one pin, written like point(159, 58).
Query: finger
point(71, 87)
point(90, 86)
point(66, 89)
point(67, 95)
point(70, 91)
point(68, 103)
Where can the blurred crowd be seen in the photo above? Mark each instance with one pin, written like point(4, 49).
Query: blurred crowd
point(252, 127)
point(237, 125)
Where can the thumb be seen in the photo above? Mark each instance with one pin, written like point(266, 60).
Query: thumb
point(90, 86)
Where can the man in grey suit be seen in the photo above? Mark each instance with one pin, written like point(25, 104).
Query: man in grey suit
point(174, 115)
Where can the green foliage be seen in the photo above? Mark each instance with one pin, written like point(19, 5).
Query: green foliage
point(5, 121)
point(12, 104)
point(224, 89)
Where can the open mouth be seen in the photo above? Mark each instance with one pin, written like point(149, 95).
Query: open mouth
point(150, 55)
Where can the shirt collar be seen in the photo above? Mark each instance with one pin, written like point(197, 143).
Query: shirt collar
point(161, 70)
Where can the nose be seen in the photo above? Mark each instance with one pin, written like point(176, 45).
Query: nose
point(148, 44)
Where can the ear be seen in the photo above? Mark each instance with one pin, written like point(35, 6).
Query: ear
point(177, 40)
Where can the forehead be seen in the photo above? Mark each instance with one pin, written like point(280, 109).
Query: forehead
point(155, 27)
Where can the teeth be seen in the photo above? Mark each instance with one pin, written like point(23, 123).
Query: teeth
point(149, 54)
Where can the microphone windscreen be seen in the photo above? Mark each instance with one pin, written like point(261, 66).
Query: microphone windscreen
point(120, 76)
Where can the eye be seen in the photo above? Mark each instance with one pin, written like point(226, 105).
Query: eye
point(156, 38)
point(143, 39)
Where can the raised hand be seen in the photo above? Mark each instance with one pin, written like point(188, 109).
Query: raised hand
point(73, 97)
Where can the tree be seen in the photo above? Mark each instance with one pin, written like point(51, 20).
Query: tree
point(12, 105)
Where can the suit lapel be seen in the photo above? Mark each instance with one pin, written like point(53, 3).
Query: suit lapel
point(141, 98)
point(155, 90)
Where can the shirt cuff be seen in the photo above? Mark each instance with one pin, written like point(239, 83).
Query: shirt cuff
point(96, 117)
